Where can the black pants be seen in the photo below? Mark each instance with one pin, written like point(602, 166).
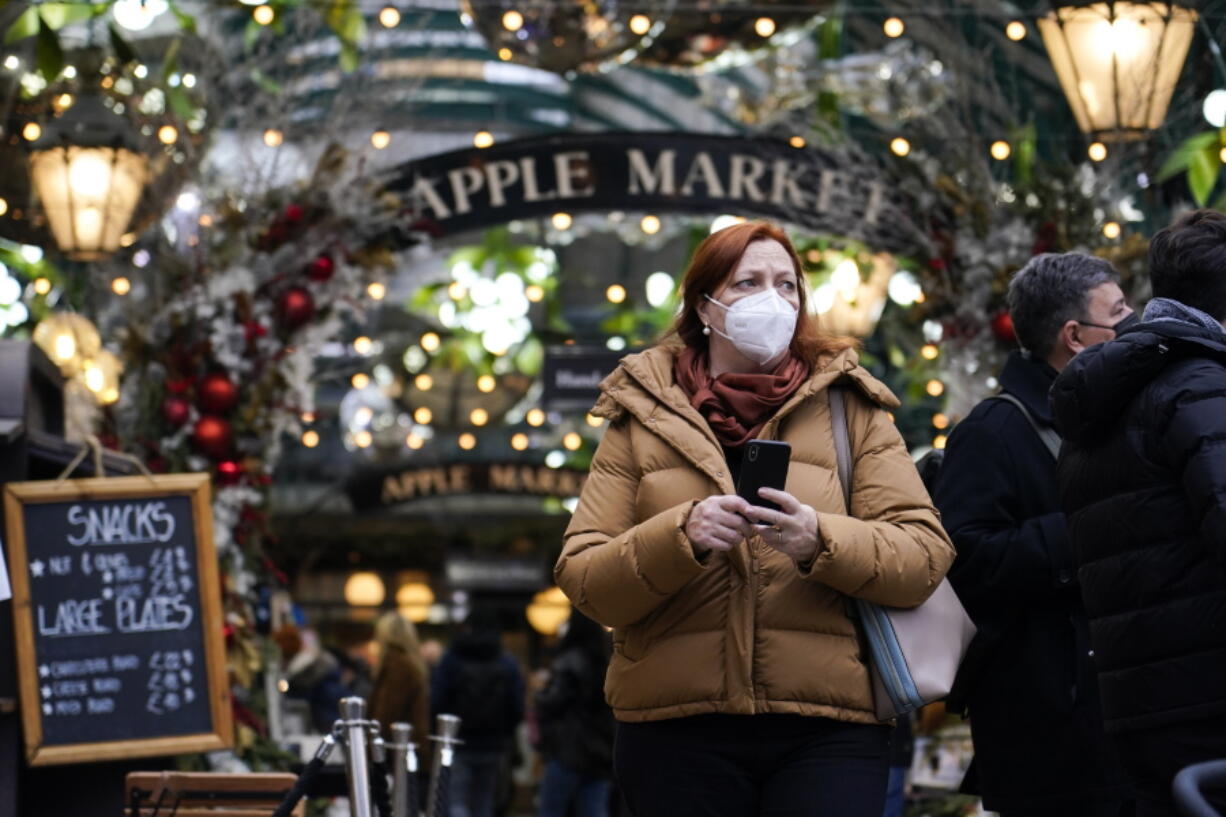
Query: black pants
point(752, 766)
point(1154, 756)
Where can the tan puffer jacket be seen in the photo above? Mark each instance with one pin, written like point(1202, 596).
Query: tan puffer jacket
point(743, 631)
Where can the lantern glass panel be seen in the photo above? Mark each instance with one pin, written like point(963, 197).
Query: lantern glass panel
point(1118, 63)
point(89, 195)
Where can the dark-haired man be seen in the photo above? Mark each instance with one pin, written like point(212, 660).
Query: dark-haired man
point(1143, 478)
point(1028, 682)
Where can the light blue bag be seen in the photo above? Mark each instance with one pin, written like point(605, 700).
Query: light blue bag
point(915, 651)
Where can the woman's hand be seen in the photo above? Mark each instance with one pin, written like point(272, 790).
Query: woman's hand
point(793, 530)
point(717, 523)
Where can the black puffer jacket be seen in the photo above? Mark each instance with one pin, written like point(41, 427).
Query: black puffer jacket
point(1030, 688)
point(1143, 478)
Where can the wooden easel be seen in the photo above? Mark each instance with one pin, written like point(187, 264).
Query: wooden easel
point(206, 794)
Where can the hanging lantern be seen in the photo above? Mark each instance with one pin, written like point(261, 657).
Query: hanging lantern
point(89, 176)
point(1118, 63)
point(69, 340)
point(565, 36)
point(100, 374)
point(548, 611)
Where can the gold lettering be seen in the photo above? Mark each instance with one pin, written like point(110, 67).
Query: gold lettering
point(504, 478)
point(460, 479)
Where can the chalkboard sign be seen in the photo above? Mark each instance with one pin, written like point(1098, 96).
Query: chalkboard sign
point(117, 612)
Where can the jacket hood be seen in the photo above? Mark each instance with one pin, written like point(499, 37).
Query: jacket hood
point(1096, 387)
point(477, 645)
point(652, 371)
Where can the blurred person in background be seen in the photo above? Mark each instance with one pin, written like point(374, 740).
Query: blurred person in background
point(576, 725)
point(401, 690)
point(480, 682)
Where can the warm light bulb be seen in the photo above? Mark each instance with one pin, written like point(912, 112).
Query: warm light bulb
point(512, 20)
point(535, 417)
point(650, 224)
point(263, 15)
point(534, 293)
point(797, 142)
point(519, 442)
point(414, 440)
point(562, 221)
point(504, 54)
point(380, 138)
point(423, 382)
point(615, 293)
point(929, 351)
point(4, 206)
point(594, 421)
point(389, 17)
point(900, 146)
point(430, 342)
point(893, 27)
point(486, 383)
point(483, 139)
point(938, 442)
point(456, 291)
point(121, 286)
point(168, 134)
point(42, 286)
point(479, 417)
point(1015, 30)
point(1097, 152)
point(310, 438)
point(362, 345)
point(1000, 150)
point(423, 416)
point(360, 380)
point(376, 291)
point(640, 24)
point(273, 137)
point(363, 439)
point(31, 131)
point(65, 347)
point(1112, 230)
point(940, 421)
point(572, 441)
point(764, 26)
point(467, 441)
point(935, 388)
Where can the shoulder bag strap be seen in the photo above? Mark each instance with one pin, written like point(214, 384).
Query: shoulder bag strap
point(842, 441)
point(1051, 440)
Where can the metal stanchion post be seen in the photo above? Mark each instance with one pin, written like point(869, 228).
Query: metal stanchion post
point(353, 711)
point(378, 771)
point(448, 728)
point(404, 769)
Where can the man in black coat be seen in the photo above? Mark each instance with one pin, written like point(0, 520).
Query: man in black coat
point(1027, 684)
point(1143, 478)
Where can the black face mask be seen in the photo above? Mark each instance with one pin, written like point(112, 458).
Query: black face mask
point(1119, 327)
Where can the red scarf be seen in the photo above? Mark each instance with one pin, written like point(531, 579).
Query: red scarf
point(736, 406)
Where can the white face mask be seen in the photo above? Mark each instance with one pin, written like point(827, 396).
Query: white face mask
point(760, 326)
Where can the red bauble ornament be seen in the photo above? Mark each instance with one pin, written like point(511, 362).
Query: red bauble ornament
point(216, 394)
point(229, 472)
point(293, 213)
point(321, 269)
point(1002, 327)
point(212, 436)
point(296, 307)
point(176, 410)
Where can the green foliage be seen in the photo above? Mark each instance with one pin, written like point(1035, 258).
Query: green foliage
point(1198, 156)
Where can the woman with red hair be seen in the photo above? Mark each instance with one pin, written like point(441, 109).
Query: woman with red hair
point(737, 678)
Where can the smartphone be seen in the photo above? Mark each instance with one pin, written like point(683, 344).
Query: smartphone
point(763, 465)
